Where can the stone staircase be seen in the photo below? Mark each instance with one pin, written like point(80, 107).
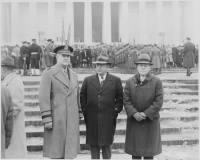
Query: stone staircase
point(179, 114)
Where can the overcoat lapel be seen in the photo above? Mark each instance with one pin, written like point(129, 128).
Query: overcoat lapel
point(60, 76)
point(73, 83)
point(107, 82)
point(95, 82)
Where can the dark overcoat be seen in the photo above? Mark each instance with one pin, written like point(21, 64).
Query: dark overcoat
point(189, 55)
point(59, 104)
point(143, 138)
point(100, 106)
point(49, 58)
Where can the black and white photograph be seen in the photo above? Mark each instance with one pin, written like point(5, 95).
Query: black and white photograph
point(100, 79)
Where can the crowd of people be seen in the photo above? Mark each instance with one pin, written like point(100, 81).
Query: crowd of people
point(31, 58)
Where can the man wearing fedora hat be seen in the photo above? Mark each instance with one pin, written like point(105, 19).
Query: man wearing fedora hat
point(17, 147)
point(143, 99)
point(101, 100)
point(59, 106)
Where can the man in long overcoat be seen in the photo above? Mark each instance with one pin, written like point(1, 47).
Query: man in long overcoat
point(17, 147)
point(59, 105)
point(49, 55)
point(101, 99)
point(188, 56)
point(143, 99)
point(25, 57)
point(35, 55)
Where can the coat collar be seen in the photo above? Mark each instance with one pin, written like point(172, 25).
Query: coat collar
point(95, 81)
point(148, 78)
point(59, 74)
point(9, 78)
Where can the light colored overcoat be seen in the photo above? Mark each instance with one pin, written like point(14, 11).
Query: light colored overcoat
point(59, 103)
point(17, 148)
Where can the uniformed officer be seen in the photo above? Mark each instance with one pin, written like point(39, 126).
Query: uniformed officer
point(59, 105)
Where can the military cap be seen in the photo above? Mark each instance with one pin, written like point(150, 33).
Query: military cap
point(68, 50)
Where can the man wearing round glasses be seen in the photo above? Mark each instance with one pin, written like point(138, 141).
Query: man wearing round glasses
point(143, 99)
point(59, 105)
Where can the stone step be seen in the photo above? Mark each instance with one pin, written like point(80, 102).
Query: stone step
point(188, 87)
point(173, 95)
point(32, 82)
point(165, 116)
point(167, 127)
point(35, 111)
point(35, 143)
point(177, 152)
point(182, 100)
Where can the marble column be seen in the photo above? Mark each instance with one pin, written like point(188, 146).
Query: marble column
point(2, 25)
point(32, 21)
point(159, 17)
point(176, 22)
point(69, 21)
point(51, 18)
point(142, 16)
point(107, 22)
point(87, 23)
point(14, 22)
point(123, 22)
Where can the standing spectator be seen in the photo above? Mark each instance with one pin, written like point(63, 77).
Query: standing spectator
point(25, 57)
point(156, 59)
point(59, 105)
point(77, 57)
point(17, 148)
point(16, 55)
point(35, 51)
point(175, 55)
point(188, 56)
point(101, 100)
point(197, 54)
point(143, 99)
point(6, 119)
point(179, 57)
point(49, 55)
point(89, 57)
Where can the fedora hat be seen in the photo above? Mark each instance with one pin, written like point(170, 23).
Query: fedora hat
point(144, 58)
point(102, 59)
point(8, 62)
point(64, 49)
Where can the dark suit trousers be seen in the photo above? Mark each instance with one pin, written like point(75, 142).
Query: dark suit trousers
point(95, 151)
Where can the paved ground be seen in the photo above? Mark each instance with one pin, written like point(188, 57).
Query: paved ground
point(169, 153)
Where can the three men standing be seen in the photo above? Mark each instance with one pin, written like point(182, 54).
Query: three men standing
point(101, 100)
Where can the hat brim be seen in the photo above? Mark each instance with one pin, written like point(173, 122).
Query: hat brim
point(101, 62)
point(143, 62)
